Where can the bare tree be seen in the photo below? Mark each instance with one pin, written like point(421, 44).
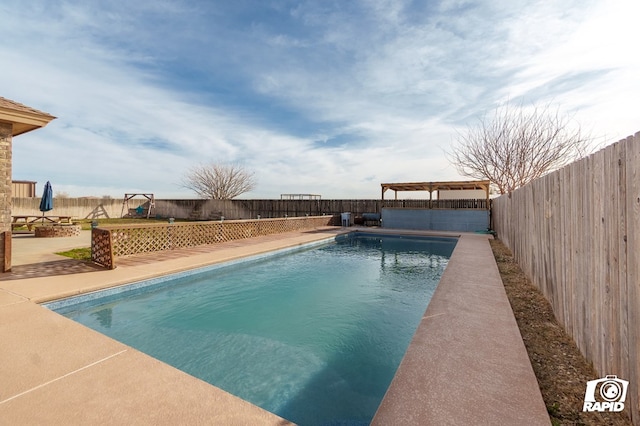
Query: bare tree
point(219, 181)
point(517, 145)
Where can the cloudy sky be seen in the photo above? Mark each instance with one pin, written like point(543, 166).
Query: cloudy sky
point(330, 97)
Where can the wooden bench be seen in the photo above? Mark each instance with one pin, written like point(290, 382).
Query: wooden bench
point(30, 221)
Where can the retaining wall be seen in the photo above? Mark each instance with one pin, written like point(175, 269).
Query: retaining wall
point(436, 220)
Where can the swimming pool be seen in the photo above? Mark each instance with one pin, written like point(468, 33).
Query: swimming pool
point(314, 336)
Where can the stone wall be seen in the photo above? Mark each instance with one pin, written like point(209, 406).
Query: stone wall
point(5, 196)
point(57, 230)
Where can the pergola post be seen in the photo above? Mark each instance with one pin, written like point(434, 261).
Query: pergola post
point(5, 195)
point(430, 195)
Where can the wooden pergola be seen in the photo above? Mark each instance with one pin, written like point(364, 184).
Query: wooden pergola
point(437, 186)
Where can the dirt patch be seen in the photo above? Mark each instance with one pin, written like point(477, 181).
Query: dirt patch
point(560, 368)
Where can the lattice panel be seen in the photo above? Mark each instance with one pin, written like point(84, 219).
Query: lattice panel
point(101, 252)
point(132, 239)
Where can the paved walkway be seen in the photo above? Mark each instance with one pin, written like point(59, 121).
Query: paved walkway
point(466, 365)
point(27, 249)
point(36, 257)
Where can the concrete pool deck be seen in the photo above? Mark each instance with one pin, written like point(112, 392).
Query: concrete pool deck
point(466, 364)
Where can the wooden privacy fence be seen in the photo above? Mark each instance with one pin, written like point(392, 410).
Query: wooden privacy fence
point(111, 242)
point(576, 234)
point(92, 208)
point(251, 209)
point(466, 204)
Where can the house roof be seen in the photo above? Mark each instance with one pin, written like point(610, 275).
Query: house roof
point(23, 118)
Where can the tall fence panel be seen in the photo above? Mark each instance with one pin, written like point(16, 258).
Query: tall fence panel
point(79, 208)
point(192, 209)
point(576, 234)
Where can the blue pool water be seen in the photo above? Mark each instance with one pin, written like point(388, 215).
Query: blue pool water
point(314, 336)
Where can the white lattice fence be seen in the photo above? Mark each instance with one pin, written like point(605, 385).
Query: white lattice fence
point(111, 242)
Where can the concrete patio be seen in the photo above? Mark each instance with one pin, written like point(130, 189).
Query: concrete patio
point(466, 364)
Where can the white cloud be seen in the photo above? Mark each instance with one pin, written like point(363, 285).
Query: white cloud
point(594, 62)
point(142, 91)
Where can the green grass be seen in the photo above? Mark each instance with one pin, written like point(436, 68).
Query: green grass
point(78, 253)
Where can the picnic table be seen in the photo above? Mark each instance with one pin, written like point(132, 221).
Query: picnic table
point(30, 221)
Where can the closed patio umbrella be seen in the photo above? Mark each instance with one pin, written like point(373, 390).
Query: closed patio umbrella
point(46, 203)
